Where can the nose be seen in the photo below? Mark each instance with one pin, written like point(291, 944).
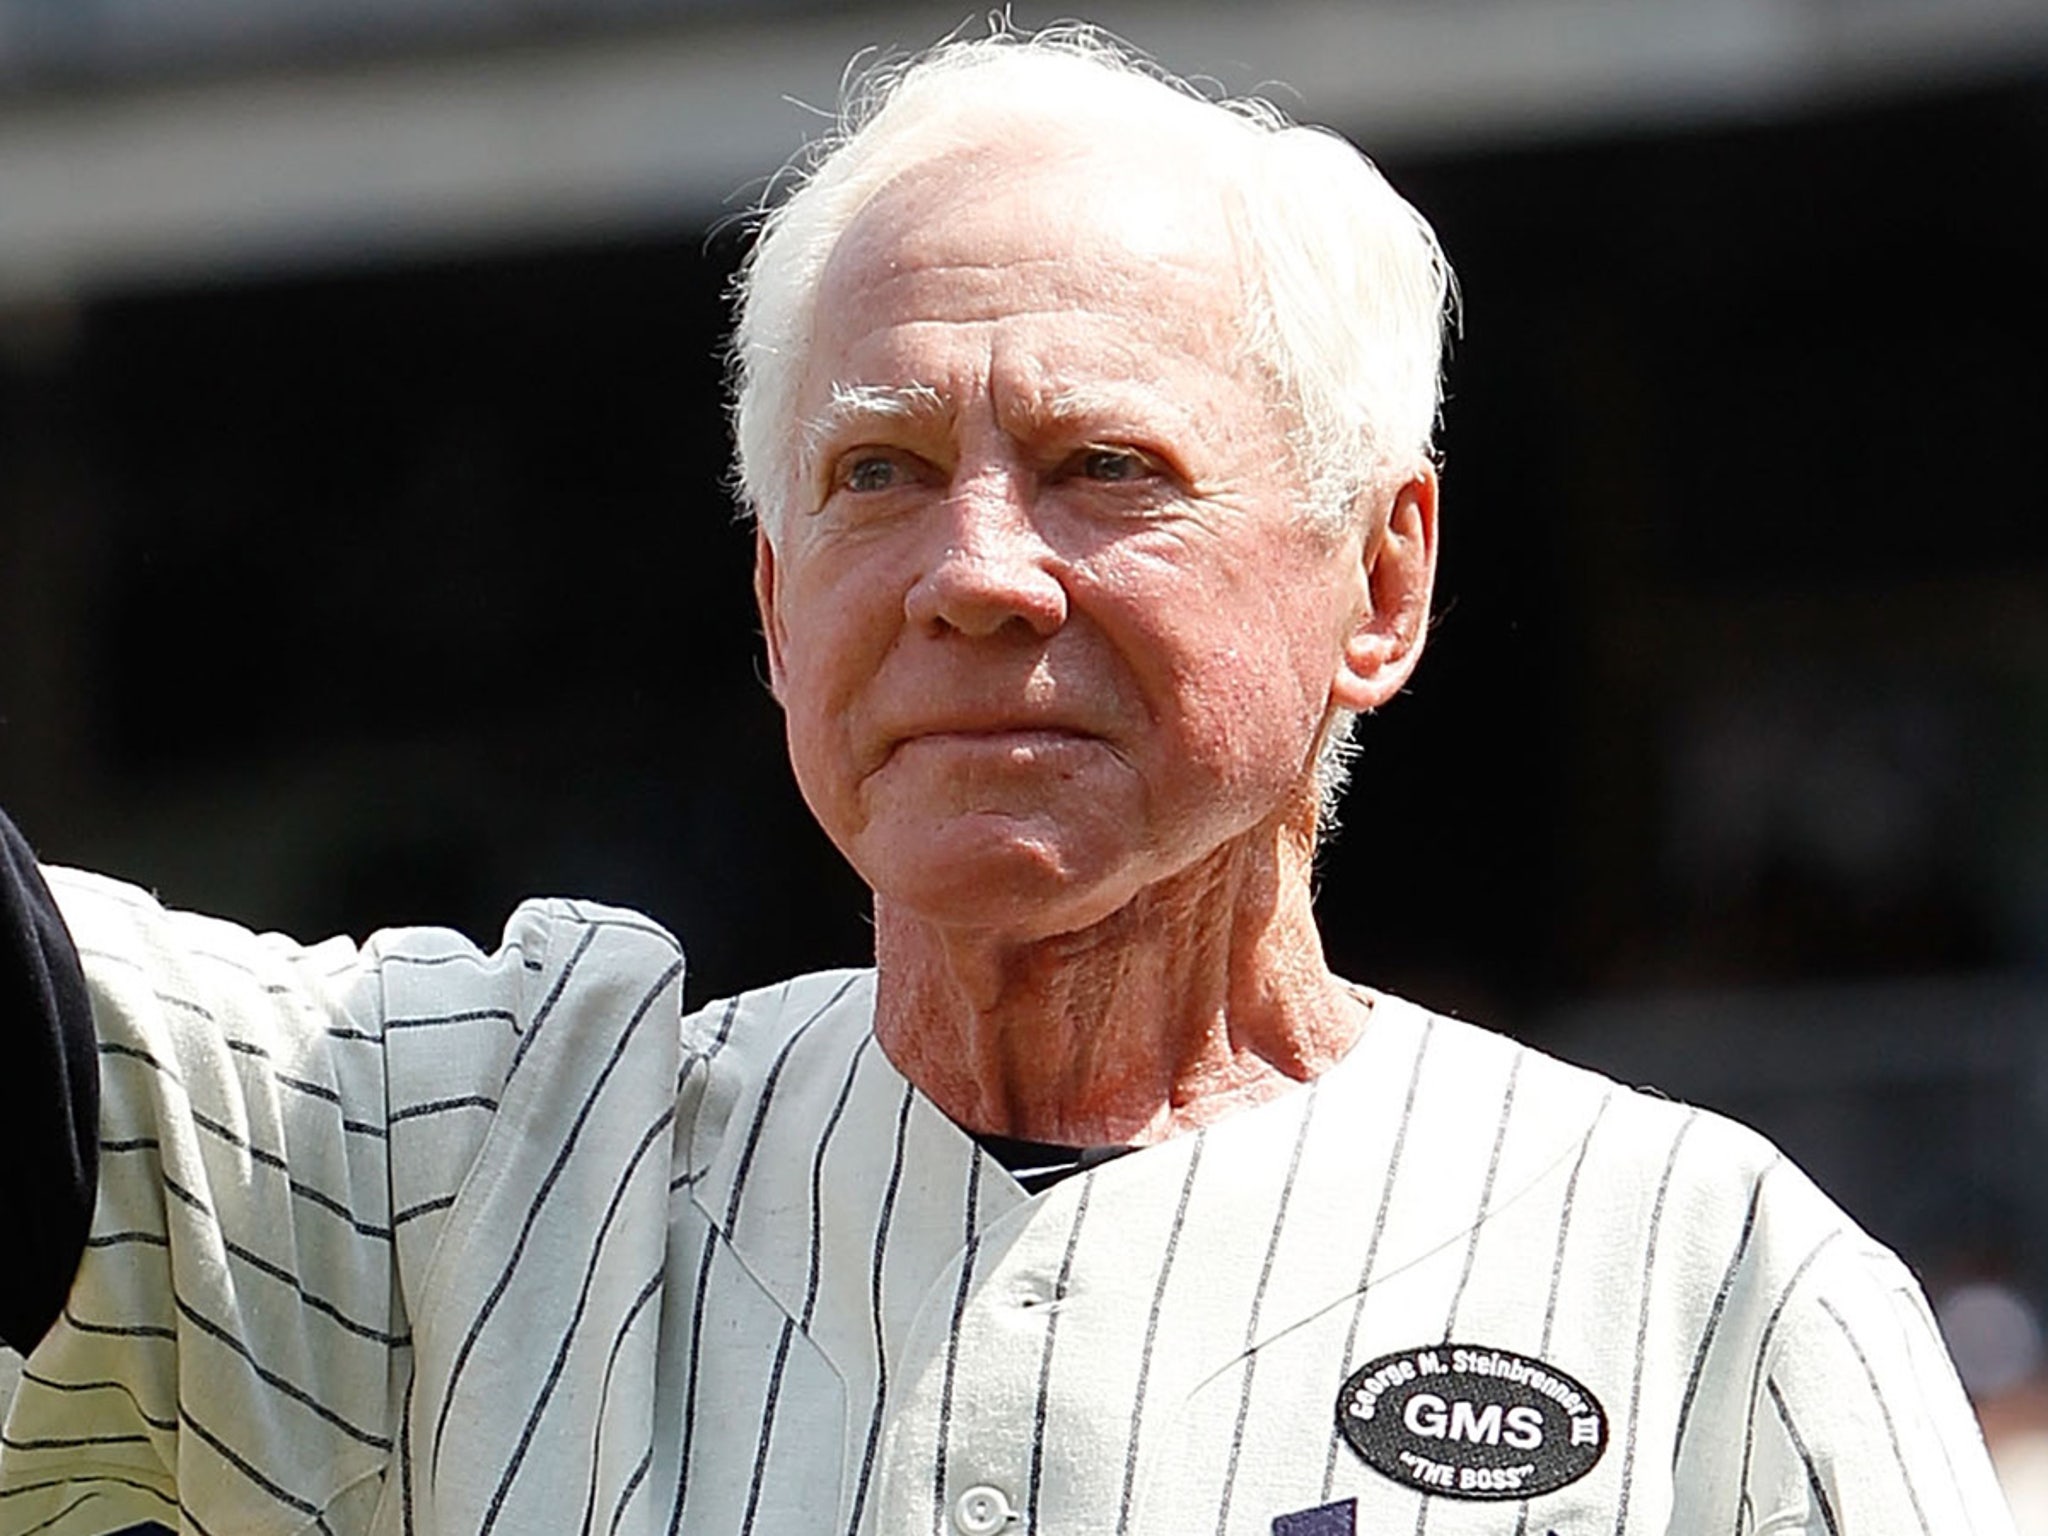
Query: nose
point(989, 568)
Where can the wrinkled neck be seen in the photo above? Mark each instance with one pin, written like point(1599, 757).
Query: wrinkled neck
point(1204, 993)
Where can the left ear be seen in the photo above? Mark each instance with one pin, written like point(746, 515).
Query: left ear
point(1397, 572)
point(771, 613)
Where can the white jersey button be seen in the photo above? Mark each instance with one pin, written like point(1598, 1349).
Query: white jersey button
point(1033, 1292)
point(982, 1511)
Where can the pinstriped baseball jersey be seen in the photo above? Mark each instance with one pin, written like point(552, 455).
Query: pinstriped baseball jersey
point(409, 1238)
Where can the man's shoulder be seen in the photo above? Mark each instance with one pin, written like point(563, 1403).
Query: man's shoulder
point(1646, 1114)
point(1635, 1142)
point(756, 1026)
point(558, 959)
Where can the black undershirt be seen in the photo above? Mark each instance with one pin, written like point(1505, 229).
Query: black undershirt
point(49, 1100)
point(1038, 1165)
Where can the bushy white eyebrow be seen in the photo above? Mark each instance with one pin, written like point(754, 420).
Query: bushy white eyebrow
point(1082, 403)
point(852, 403)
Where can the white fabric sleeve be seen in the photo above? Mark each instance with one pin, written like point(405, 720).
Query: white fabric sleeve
point(281, 1128)
point(1861, 1427)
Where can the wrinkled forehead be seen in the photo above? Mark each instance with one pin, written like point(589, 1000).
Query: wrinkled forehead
point(1079, 259)
point(1123, 206)
point(1151, 191)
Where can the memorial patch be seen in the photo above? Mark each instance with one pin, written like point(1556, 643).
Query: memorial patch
point(1471, 1422)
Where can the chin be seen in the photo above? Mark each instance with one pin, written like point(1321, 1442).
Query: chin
point(1001, 876)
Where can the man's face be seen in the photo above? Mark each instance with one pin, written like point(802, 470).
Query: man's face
point(1045, 616)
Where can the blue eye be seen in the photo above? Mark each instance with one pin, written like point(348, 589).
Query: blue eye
point(873, 473)
point(1113, 465)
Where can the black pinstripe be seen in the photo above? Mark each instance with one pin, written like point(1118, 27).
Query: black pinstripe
point(1500, 1136)
point(88, 1477)
point(701, 1060)
point(645, 1294)
point(1884, 1408)
point(155, 1421)
point(1635, 1390)
point(334, 1207)
point(437, 1020)
point(241, 1047)
point(188, 1199)
point(1564, 1218)
point(627, 1489)
point(1756, 1376)
point(1917, 1305)
point(1379, 1227)
point(1713, 1323)
point(443, 1106)
point(70, 1442)
point(547, 1187)
point(731, 1222)
point(888, 1211)
point(272, 1379)
point(229, 1137)
point(276, 1163)
point(124, 1239)
point(136, 1053)
point(119, 1330)
point(1251, 1327)
point(78, 1503)
point(248, 1469)
point(971, 1245)
point(649, 1139)
point(1052, 1328)
point(754, 1483)
point(1813, 1480)
point(405, 1457)
point(185, 1005)
point(769, 1084)
point(326, 1093)
point(1180, 1215)
point(316, 1303)
point(697, 1303)
point(1564, 1227)
point(151, 914)
point(421, 1208)
point(712, 1243)
point(546, 1010)
point(817, 1248)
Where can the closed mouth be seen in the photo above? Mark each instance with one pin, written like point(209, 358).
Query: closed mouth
point(1019, 737)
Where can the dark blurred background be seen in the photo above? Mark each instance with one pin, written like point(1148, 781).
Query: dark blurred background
point(366, 556)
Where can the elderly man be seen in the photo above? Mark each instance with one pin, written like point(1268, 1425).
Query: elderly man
point(1087, 428)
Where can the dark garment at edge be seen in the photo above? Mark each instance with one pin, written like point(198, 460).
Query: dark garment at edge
point(49, 1100)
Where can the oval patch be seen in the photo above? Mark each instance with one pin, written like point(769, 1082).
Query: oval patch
point(1471, 1422)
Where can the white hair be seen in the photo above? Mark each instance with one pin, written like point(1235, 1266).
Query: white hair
point(1349, 292)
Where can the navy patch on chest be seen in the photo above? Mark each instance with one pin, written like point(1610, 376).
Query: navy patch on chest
point(1470, 1422)
point(1339, 1519)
